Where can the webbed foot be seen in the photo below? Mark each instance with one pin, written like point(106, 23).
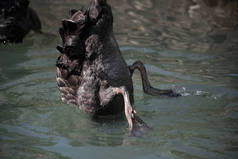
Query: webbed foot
point(138, 128)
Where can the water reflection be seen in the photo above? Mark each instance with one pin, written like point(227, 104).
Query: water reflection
point(159, 24)
point(167, 25)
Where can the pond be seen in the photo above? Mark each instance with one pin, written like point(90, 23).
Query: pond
point(195, 54)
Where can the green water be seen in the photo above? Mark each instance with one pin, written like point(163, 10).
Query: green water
point(195, 56)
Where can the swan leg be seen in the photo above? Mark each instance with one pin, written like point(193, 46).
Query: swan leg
point(148, 89)
point(137, 126)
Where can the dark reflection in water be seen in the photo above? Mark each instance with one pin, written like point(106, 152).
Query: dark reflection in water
point(167, 25)
point(188, 45)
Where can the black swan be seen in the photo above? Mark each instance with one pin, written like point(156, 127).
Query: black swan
point(91, 72)
point(16, 20)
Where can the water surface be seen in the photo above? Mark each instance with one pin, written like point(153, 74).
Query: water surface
point(195, 56)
